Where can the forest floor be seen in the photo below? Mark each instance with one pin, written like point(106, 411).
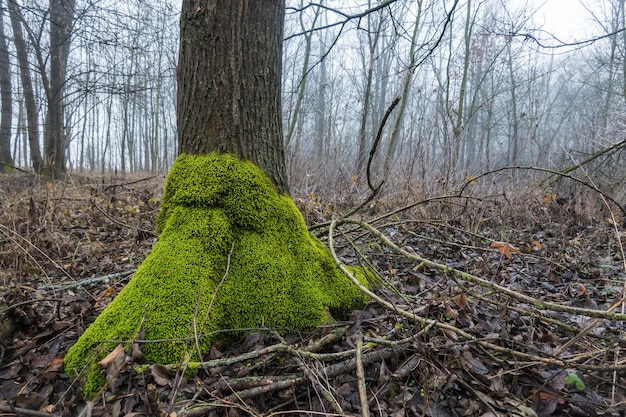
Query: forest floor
point(489, 304)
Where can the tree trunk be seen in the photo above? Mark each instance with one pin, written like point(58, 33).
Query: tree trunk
point(229, 76)
point(27, 86)
point(295, 115)
point(513, 148)
point(361, 158)
point(61, 19)
point(408, 77)
point(6, 111)
point(233, 251)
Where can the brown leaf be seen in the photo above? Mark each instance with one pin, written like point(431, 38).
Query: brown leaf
point(119, 350)
point(161, 375)
point(475, 365)
point(29, 401)
point(505, 248)
point(55, 365)
point(451, 313)
point(460, 300)
point(254, 341)
point(108, 293)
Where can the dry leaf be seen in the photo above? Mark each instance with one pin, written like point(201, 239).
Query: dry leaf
point(505, 248)
point(55, 365)
point(460, 300)
point(108, 293)
point(119, 350)
point(549, 197)
point(451, 313)
point(161, 375)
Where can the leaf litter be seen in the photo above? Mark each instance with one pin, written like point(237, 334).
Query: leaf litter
point(491, 311)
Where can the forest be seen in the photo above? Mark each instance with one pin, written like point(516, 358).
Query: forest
point(470, 159)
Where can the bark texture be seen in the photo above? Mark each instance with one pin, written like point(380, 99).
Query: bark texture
point(61, 19)
point(27, 85)
point(6, 110)
point(229, 77)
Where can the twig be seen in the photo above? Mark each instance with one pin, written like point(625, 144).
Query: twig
point(423, 321)
point(374, 190)
point(129, 183)
point(482, 282)
point(277, 348)
point(329, 371)
point(576, 164)
point(127, 226)
point(4, 309)
point(621, 302)
point(85, 282)
point(316, 381)
point(521, 311)
point(5, 229)
point(318, 344)
point(360, 374)
point(550, 171)
point(25, 411)
point(21, 170)
point(594, 323)
point(379, 135)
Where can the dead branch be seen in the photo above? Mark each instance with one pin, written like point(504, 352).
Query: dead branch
point(546, 305)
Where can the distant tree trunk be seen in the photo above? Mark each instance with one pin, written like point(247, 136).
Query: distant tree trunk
point(27, 86)
point(461, 111)
point(320, 112)
point(61, 20)
point(6, 111)
point(295, 114)
point(513, 148)
point(372, 41)
point(230, 64)
point(408, 77)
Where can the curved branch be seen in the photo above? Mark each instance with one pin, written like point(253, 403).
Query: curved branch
point(346, 17)
point(604, 314)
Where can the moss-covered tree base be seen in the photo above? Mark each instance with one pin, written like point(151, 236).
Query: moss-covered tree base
point(232, 253)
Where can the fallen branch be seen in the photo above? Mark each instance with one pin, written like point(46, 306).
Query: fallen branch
point(85, 282)
point(422, 320)
point(546, 305)
point(272, 386)
point(25, 411)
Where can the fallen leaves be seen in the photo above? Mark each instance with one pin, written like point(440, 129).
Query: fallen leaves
point(408, 368)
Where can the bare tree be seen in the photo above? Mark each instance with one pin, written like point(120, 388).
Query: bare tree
point(55, 140)
point(6, 111)
point(27, 86)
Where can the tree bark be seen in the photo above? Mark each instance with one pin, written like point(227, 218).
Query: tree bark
point(61, 19)
point(27, 86)
point(6, 111)
point(229, 77)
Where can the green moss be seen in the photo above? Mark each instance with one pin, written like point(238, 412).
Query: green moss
point(229, 241)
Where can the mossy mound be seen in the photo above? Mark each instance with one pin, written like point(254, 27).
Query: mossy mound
point(232, 253)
